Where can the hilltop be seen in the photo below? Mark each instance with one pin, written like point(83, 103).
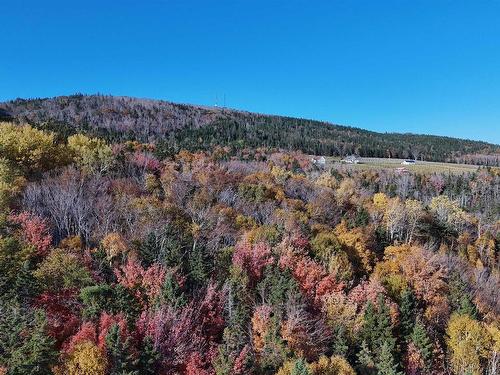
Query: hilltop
point(180, 126)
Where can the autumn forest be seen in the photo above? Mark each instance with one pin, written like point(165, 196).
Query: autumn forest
point(140, 255)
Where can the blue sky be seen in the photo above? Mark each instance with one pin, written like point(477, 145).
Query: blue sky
point(406, 66)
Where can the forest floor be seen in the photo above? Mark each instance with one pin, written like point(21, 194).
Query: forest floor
point(419, 166)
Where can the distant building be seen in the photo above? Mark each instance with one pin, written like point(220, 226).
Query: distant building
point(351, 159)
point(408, 162)
point(321, 161)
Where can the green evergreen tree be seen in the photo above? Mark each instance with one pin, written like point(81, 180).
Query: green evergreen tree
point(383, 332)
point(96, 298)
point(300, 368)
point(224, 362)
point(340, 344)
point(275, 350)
point(125, 302)
point(25, 346)
point(367, 334)
point(121, 361)
point(467, 307)
point(277, 286)
point(377, 329)
point(459, 296)
point(149, 250)
point(171, 293)
point(148, 358)
point(198, 267)
point(386, 364)
point(365, 363)
point(25, 286)
point(422, 342)
point(407, 312)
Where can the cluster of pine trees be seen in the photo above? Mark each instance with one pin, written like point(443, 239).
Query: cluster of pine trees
point(116, 261)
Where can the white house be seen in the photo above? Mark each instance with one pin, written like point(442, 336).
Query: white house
point(351, 159)
point(321, 161)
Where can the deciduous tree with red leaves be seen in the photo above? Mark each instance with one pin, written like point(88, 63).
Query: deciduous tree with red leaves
point(35, 231)
point(252, 258)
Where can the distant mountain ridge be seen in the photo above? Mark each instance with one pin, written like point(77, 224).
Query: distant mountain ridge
point(180, 126)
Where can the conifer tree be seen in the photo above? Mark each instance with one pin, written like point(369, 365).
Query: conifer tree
point(384, 326)
point(148, 358)
point(467, 307)
point(340, 344)
point(118, 349)
point(300, 368)
point(25, 347)
point(407, 312)
point(377, 329)
point(386, 363)
point(171, 293)
point(459, 296)
point(25, 286)
point(422, 342)
point(197, 267)
point(366, 363)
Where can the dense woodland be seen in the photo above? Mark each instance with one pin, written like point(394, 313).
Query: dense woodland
point(116, 261)
point(175, 127)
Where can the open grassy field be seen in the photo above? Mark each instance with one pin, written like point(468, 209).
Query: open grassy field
point(419, 167)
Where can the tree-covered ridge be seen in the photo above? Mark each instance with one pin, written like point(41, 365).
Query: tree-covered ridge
point(115, 262)
point(176, 126)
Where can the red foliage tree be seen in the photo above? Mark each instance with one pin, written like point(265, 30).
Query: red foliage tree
point(315, 282)
point(241, 363)
point(196, 365)
point(145, 283)
point(130, 274)
point(177, 334)
point(35, 231)
point(61, 309)
point(152, 280)
point(105, 322)
point(145, 161)
point(252, 258)
point(87, 332)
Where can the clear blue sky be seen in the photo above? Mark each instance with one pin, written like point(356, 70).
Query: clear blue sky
point(406, 66)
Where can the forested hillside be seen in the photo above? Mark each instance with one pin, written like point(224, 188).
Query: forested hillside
point(175, 127)
point(116, 262)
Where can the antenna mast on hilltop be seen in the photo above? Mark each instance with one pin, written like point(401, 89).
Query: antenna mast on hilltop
point(223, 101)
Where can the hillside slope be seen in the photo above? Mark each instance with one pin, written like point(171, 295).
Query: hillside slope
point(177, 126)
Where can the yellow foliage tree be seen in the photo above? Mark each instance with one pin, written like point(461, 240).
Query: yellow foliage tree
point(356, 243)
point(394, 218)
point(335, 365)
point(448, 212)
point(10, 183)
point(414, 212)
point(340, 311)
point(92, 154)
point(260, 327)
point(114, 245)
point(86, 359)
point(468, 344)
point(31, 150)
point(345, 191)
point(380, 201)
point(62, 269)
point(326, 180)
point(287, 368)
